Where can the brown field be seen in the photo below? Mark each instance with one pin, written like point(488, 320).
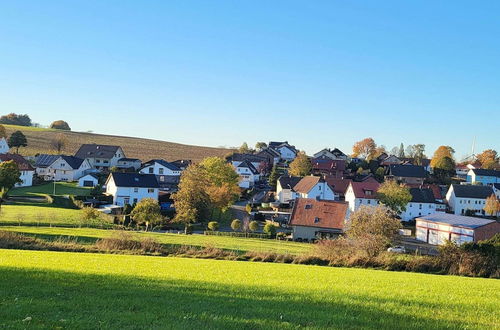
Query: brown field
point(39, 141)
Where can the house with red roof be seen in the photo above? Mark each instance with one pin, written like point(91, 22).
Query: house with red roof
point(362, 193)
point(27, 171)
point(316, 219)
point(335, 168)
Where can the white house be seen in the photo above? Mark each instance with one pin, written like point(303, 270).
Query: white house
point(129, 163)
point(67, 168)
point(483, 176)
point(88, 180)
point(362, 193)
point(333, 154)
point(289, 188)
point(461, 198)
point(131, 188)
point(248, 174)
point(160, 167)
point(422, 203)
point(27, 171)
point(4, 146)
point(257, 161)
point(496, 189)
point(287, 152)
point(101, 157)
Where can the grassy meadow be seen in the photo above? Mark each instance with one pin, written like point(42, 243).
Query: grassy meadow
point(38, 214)
point(43, 289)
point(62, 188)
point(39, 141)
point(90, 235)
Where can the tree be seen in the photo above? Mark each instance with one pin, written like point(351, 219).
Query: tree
point(213, 225)
point(223, 189)
point(148, 212)
point(274, 176)
point(401, 151)
point(60, 124)
point(236, 224)
point(244, 149)
point(15, 119)
point(300, 166)
point(269, 229)
point(418, 154)
point(17, 139)
point(248, 208)
point(443, 163)
point(9, 175)
point(253, 226)
point(492, 206)
point(379, 151)
point(364, 148)
point(58, 142)
point(3, 132)
point(260, 145)
point(378, 222)
point(394, 196)
point(379, 173)
point(489, 159)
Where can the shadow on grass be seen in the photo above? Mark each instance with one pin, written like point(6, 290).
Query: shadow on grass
point(70, 300)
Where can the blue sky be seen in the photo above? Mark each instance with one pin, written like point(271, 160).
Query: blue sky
point(219, 73)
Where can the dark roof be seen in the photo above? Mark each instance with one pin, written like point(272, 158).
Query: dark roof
point(412, 171)
point(288, 182)
point(339, 185)
point(250, 157)
point(162, 162)
point(484, 172)
point(337, 152)
point(181, 163)
point(472, 191)
point(318, 213)
point(73, 162)
point(22, 163)
point(92, 175)
point(134, 180)
point(248, 165)
point(268, 152)
point(422, 195)
point(425, 161)
point(436, 190)
point(457, 220)
point(129, 160)
point(96, 151)
point(496, 185)
point(274, 144)
point(328, 164)
point(44, 160)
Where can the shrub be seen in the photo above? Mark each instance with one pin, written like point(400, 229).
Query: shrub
point(236, 224)
point(270, 229)
point(213, 225)
point(253, 226)
point(60, 124)
point(123, 241)
point(248, 208)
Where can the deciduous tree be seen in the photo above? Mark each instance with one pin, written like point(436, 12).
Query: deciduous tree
point(492, 206)
point(58, 142)
point(378, 221)
point(488, 159)
point(244, 149)
point(3, 132)
point(148, 212)
point(401, 152)
point(15, 119)
point(300, 166)
point(253, 226)
point(9, 175)
point(394, 196)
point(274, 176)
point(60, 124)
point(260, 145)
point(17, 139)
point(236, 225)
point(443, 163)
point(364, 148)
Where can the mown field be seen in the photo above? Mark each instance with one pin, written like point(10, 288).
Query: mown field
point(90, 235)
point(43, 289)
point(61, 188)
point(39, 141)
point(38, 214)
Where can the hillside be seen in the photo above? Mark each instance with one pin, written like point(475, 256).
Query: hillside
point(39, 141)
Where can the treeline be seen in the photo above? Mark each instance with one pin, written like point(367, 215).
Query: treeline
point(25, 120)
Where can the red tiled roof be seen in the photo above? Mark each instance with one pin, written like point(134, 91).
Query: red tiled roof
point(318, 213)
point(366, 189)
point(306, 184)
point(328, 164)
point(339, 185)
point(22, 163)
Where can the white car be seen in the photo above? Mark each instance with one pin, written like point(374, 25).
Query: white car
point(397, 249)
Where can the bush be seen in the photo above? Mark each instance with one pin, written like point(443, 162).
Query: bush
point(213, 225)
point(60, 124)
point(270, 229)
point(236, 234)
point(236, 224)
point(253, 226)
point(122, 241)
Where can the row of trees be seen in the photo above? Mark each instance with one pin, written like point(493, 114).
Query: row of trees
point(25, 120)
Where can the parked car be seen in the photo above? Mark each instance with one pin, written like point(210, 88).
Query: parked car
point(397, 249)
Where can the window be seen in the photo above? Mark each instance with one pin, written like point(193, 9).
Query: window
point(151, 170)
point(308, 206)
point(369, 201)
point(316, 220)
point(105, 161)
point(135, 200)
point(151, 190)
point(98, 161)
point(420, 206)
point(319, 188)
point(161, 170)
point(162, 178)
point(136, 190)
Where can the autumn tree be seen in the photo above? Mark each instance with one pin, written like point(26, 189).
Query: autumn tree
point(60, 124)
point(492, 206)
point(378, 222)
point(9, 175)
point(15, 119)
point(300, 166)
point(3, 132)
point(260, 145)
point(236, 225)
point(364, 149)
point(17, 139)
point(223, 189)
point(58, 142)
point(244, 149)
point(379, 151)
point(489, 159)
point(394, 196)
point(443, 163)
point(147, 212)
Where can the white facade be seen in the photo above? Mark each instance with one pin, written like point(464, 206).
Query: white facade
point(459, 205)
point(247, 177)
point(87, 181)
point(414, 210)
point(129, 195)
point(27, 179)
point(4, 146)
point(129, 163)
point(60, 170)
point(355, 203)
point(321, 190)
point(159, 169)
point(438, 234)
point(286, 153)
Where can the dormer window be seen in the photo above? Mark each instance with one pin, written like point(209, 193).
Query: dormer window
point(308, 206)
point(368, 192)
point(316, 220)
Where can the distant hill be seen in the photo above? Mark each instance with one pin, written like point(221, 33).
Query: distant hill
point(39, 141)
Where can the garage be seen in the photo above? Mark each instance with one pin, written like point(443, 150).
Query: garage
point(89, 180)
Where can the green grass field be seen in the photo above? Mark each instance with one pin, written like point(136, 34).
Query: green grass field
point(62, 188)
point(82, 291)
point(90, 235)
point(38, 214)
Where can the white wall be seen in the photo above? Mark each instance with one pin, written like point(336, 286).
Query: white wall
point(418, 209)
point(4, 147)
point(287, 153)
point(134, 195)
point(27, 178)
point(321, 190)
point(159, 169)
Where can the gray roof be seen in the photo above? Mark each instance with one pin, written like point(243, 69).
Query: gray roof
point(457, 220)
point(472, 191)
point(129, 160)
point(248, 165)
point(134, 180)
point(73, 162)
point(96, 151)
point(484, 172)
point(250, 157)
point(44, 160)
point(288, 182)
point(422, 195)
point(162, 162)
point(407, 171)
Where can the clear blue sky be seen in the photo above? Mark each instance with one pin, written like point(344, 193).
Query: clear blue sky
point(218, 73)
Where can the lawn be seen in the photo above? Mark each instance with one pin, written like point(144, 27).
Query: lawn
point(38, 214)
point(62, 188)
point(42, 289)
point(223, 242)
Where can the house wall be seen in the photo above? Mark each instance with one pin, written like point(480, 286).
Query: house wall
point(129, 195)
point(61, 171)
point(159, 169)
point(485, 180)
point(356, 203)
point(410, 180)
point(460, 205)
point(129, 164)
point(321, 190)
point(4, 147)
point(486, 232)
point(27, 179)
point(286, 153)
point(309, 233)
point(419, 209)
point(438, 234)
point(87, 178)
